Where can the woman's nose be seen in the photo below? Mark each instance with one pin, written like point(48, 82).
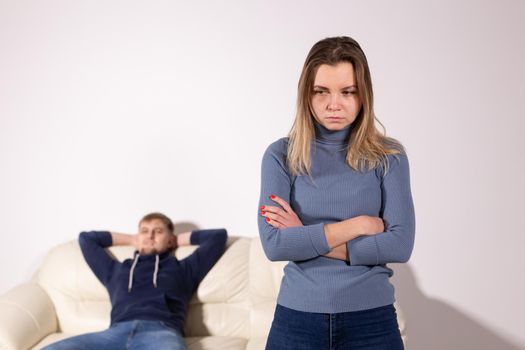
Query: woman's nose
point(333, 104)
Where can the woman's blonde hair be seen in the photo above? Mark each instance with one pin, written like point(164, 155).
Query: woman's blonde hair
point(367, 148)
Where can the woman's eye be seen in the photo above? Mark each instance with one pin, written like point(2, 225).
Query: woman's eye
point(319, 92)
point(346, 93)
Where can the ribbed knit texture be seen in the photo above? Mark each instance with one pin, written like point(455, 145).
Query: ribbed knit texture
point(177, 280)
point(335, 192)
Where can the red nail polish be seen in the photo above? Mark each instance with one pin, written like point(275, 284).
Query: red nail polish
point(272, 196)
point(268, 219)
point(263, 212)
point(262, 206)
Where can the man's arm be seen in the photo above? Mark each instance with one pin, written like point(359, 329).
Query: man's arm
point(184, 239)
point(93, 246)
point(211, 246)
point(123, 239)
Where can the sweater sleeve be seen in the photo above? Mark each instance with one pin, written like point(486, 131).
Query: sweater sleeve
point(293, 243)
point(93, 246)
point(211, 246)
point(397, 211)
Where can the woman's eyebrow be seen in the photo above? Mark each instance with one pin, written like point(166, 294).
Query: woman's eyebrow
point(325, 88)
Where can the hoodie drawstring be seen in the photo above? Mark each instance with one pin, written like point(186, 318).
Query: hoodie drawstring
point(130, 284)
point(132, 270)
point(156, 271)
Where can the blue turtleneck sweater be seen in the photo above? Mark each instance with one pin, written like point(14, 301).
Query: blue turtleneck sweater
point(176, 281)
point(335, 192)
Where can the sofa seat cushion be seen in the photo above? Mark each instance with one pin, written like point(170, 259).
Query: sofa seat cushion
point(216, 343)
point(193, 343)
point(257, 343)
point(50, 339)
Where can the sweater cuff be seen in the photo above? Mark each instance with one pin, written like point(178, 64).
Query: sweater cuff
point(104, 238)
point(199, 236)
point(195, 237)
point(363, 251)
point(318, 238)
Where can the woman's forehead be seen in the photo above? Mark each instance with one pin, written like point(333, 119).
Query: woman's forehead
point(340, 74)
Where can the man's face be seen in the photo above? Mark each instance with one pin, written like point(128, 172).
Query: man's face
point(154, 237)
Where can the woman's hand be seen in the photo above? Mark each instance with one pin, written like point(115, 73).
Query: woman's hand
point(369, 225)
point(280, 217)
point(340, 253)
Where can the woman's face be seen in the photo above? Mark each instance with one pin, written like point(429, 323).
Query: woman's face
point(335, 102)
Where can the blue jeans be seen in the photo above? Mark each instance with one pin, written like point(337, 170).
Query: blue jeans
point(132, 335)
point(374, 329)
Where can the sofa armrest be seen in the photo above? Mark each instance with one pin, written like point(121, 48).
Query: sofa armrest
point(26, 316)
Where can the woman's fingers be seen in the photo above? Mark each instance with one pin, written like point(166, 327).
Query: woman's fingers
point(274, 223)
point(282, 203)
point(272, 216)
point(285, 216)
point(271, 209)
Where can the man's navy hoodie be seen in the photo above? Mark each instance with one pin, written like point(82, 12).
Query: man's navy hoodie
point(134, 296)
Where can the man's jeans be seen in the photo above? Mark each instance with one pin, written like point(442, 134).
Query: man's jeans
point(130, 335)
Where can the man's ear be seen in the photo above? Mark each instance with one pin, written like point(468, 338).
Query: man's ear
point(173, 241)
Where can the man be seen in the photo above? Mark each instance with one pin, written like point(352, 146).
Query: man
point(149, 293)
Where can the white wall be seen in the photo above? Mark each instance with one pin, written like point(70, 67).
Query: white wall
point(112, 109)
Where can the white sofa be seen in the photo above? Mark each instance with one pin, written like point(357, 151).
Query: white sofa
point(232, 309)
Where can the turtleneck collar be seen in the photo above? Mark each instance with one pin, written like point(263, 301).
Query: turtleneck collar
point(332, 137)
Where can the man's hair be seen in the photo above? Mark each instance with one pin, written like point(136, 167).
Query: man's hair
point(166, 220)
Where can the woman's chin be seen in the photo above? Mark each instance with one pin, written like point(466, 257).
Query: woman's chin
point(335, 125)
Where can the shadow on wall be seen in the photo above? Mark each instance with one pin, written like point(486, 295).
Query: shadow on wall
point(435, 325)
point(184, 226)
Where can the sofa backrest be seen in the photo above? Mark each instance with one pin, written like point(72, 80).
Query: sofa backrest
point(236, 298)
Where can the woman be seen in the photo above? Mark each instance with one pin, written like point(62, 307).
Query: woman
point(336, 202)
